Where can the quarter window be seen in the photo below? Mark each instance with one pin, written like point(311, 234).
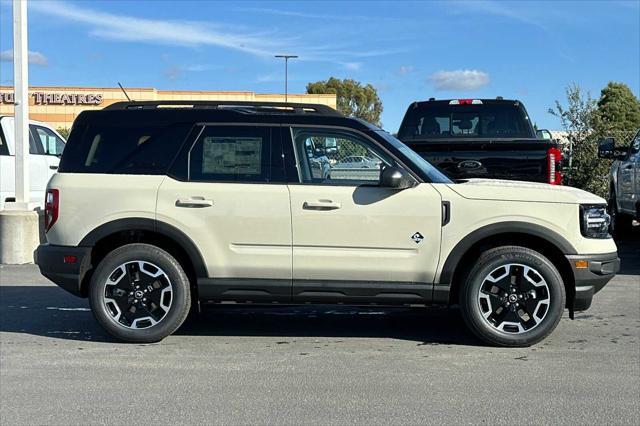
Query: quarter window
point(336, 157)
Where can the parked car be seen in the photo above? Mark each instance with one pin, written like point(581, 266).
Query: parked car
point(481, 138)
point(158, 209)
point(45, 147)
point(624, 182)
point(358, 162)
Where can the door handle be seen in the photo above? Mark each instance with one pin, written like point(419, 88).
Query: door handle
point(321, 205)
point(194, 202)
point(53, 167)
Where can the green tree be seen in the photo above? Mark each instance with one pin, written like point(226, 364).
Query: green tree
point(586, 170)
point(64, 132)
point(618, 113)
point(353, 98)
point(615, 114)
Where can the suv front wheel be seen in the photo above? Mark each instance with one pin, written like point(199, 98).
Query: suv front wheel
point(139, 293)
point(513, 296)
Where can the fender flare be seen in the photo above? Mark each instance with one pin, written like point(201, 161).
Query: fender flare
point(144, 224)
point(479, 234)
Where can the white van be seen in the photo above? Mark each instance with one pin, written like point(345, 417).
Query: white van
point(45, 148)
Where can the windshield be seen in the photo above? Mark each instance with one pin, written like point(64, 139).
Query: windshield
point(438, 120)
point(427, 169)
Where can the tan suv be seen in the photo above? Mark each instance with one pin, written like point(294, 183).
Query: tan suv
point(158, 209)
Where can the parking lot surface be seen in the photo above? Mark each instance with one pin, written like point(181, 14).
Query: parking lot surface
point(328, 365)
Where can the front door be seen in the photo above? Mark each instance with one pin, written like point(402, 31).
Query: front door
point(352, 239)
point(228, 194)
point(627, 179)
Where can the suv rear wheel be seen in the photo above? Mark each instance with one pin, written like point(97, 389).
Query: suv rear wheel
point(139, 293)
point(513, 296)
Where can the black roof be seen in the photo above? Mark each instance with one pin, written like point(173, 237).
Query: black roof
point(155, 112)
point(492, 101)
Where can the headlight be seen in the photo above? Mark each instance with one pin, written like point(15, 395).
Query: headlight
point(594, 221)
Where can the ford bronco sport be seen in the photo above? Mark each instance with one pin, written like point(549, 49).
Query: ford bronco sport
point(158, 207)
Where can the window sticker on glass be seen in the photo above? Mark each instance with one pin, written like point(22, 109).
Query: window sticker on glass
point(223, 155)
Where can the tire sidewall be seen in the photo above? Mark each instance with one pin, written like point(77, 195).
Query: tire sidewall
point(180, 287)
point(471, 305)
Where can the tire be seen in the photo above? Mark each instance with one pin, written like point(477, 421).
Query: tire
point(621, 224)
point(535, 307)
point(139, 293)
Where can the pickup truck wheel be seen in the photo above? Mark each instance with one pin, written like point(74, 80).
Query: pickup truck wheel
point(620, 223)
point(139, 293)
point(513, 296)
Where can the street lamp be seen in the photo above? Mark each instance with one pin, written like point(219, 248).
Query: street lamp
point(286, 72)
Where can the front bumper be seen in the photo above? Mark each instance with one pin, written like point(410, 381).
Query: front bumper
point(68, 275)
point(590, 279)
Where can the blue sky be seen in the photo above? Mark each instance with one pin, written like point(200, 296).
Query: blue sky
point(408, 50)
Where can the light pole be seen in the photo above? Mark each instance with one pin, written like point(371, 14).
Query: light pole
point(21, 90)
point(286, 72)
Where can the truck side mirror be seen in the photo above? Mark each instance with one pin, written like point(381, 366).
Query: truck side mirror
point(606, 147)
point(544, 134)
point(395, 177)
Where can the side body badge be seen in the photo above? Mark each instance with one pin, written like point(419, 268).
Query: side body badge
point(417, 238)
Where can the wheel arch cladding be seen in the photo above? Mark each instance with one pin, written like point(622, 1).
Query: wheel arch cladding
point(536, 237)
point(111, 235)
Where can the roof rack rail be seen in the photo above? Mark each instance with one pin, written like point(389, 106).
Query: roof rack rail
point(241, 106)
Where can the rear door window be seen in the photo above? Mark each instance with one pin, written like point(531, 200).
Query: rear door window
point(4, 149)
point(47, 141)
point(123, 149)
point(250, 154)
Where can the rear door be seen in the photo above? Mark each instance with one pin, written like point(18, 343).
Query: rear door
point(51, 145)
point(227, 192)
point(352, 239)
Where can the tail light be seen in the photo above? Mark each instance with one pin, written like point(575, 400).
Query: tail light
point(51, 208)
point(554, 157)
point(465, 102)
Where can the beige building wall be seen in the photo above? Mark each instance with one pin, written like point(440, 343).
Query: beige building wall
point(62, 116)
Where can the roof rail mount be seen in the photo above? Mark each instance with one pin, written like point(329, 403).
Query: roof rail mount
point(241, 106)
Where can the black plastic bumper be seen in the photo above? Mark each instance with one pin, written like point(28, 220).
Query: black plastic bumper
point(590, 280)
point(68, 275)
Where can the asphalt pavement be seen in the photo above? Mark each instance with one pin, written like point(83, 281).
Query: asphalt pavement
point(315, 365)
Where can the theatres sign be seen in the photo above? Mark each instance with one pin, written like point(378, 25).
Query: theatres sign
point(47, 98)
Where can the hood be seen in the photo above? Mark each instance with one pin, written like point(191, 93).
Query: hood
point(511, 190)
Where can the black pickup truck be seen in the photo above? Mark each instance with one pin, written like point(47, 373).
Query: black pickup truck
point(480, 138)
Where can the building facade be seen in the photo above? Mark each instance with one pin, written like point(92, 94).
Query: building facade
point(59, 106)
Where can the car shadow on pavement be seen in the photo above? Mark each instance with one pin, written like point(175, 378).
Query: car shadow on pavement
point(629, 253)
point(51, 312)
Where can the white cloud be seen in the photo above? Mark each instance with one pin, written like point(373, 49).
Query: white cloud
point(459, 80)
point(406, 69)
point(35, 58)
point(185, 33)
point(352, 66)
point(196, 33)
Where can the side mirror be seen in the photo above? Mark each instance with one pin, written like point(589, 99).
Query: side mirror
point(606, 147)
point(395, 177)
point(544, 134)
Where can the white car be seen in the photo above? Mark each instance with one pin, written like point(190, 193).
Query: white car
point(45, 148)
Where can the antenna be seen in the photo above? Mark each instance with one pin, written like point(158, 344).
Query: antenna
point(124, 91)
